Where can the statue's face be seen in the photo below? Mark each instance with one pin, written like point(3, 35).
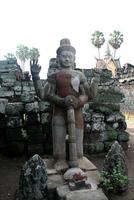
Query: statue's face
point(66, 59)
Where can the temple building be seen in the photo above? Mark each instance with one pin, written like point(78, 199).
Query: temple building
point(109, 62)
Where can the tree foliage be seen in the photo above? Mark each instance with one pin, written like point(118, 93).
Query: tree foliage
point(34, 54)
point(98, 40)
point(116, 39)
point(10, 56)
point(22, 53)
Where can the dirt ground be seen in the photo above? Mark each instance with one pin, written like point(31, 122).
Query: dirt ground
point(10, 171)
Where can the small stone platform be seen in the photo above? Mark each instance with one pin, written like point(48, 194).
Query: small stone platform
point(59, 189)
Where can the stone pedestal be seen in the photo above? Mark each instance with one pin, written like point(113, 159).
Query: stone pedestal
point(58, 187)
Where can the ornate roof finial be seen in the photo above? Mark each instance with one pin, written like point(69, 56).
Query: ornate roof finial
point(107, 52)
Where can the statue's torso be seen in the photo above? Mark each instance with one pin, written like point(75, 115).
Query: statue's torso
point(68, 83)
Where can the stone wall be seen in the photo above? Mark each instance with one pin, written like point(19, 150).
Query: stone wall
point(22, 116)
point(126, 80)
point(104, 123)
point(25, 121)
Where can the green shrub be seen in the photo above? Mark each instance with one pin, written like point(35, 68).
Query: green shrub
point(114, 181)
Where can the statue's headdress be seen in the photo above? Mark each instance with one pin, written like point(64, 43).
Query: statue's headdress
point(65, 45)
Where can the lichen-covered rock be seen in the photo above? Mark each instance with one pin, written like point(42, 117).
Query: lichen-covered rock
point(97, 117)
point(27, 98)
point(114, 156)
point(115, 117)
point(32, 107)
point(109, 135)
point(123, 136)
point(96, 147)
point(98, 126)
point(15, 108)
point(33, 180)
point(5, 93)
point(14, 122)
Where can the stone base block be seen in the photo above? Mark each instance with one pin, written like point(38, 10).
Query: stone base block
point(58, 187)
point(86, 195)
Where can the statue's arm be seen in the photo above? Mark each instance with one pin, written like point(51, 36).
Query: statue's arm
point(51, 96)
point(40, 91)
point(90, 90)
point(35, 70)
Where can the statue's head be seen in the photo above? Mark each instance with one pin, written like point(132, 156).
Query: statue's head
point(53, 63)
point(66, 54)
point(53, 66)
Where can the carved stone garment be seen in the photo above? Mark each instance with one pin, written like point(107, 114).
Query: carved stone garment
point(68, 83)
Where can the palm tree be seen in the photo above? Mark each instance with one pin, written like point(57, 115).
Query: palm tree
point(10, 56)
point(98, 40)
point(22, 53)
point(34, 54)
point(116, 39)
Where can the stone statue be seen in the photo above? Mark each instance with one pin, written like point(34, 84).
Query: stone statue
point(68, 90)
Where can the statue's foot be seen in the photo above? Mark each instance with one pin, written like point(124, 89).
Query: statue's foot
point(61, 165)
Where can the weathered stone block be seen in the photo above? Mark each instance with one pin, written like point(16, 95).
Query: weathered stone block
point(5, 76)
point(115, 117)
point(8, 66)
point(45, 118)
point(32, 119)
point(32, 107)
point(123, 137)
point(26, 89)
point(109, 135)
point(4, 92)
point(3, 104)
point(97, 117)
point(109, 95)
point(104, 107)
point(97, 147)
point(86, 195)
point(14, 122)
point(98, 126)
point(27, 98)
point(8, 82)
point(17, 89)
point(14, 108)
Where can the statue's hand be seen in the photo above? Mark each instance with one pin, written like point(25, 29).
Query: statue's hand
point(35, 67)
point(71, 101)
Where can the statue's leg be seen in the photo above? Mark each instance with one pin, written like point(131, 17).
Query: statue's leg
point(59, 137)
point(79, 142)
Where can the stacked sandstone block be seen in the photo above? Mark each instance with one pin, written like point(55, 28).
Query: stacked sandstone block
point(104, 123)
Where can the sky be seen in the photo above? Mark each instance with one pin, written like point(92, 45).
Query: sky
point(43, 23)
